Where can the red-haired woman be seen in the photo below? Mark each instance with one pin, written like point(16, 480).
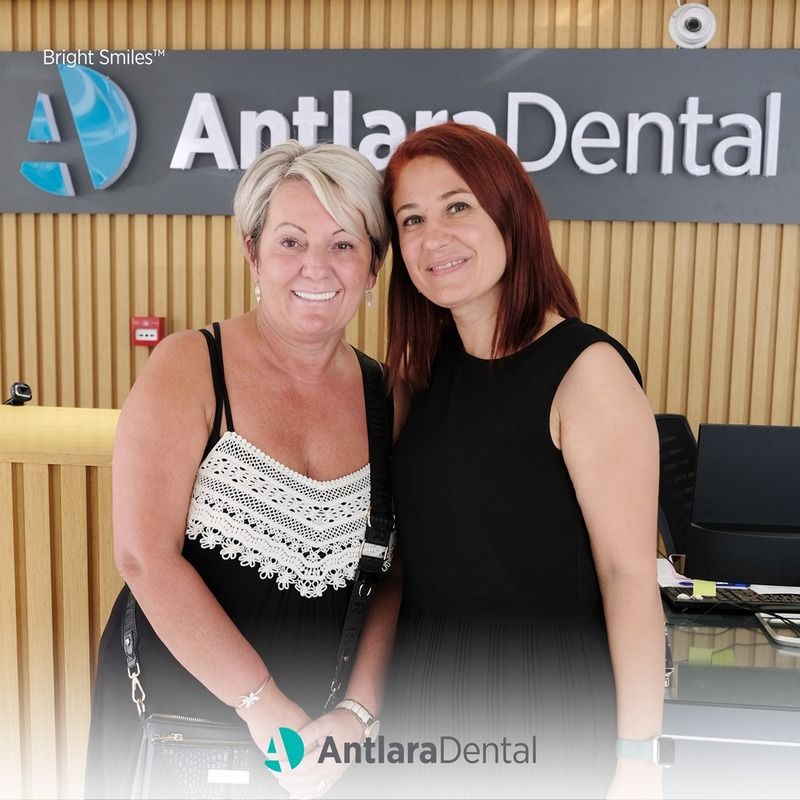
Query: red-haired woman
point(526, 483)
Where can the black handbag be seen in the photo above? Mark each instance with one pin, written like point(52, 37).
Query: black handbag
point(185, 757)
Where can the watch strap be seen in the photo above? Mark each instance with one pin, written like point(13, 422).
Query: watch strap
point(658, 750)
point(364, 715)
point(354, 707)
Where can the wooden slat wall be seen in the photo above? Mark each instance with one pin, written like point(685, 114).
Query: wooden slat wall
point(712, 312)
point(57, 584)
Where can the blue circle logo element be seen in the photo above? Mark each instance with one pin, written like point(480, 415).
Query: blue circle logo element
point(106, 129)
point(292, 746)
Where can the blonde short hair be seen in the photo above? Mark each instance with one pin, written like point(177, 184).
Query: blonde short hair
point(344, 182)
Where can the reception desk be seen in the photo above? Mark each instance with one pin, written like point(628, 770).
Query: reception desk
point(733, 707)
point(57, 584)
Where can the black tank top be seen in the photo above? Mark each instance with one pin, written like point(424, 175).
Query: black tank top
point(501, 632)
point(488, 521)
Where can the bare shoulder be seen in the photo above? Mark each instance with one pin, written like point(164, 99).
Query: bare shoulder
point(176, 367)
point(182, 355)
point(598, 374)
point(161, 435)
point(173, 395)
point(606, 431)
point(598, 388)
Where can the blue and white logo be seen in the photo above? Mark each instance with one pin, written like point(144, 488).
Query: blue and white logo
point(106, 129)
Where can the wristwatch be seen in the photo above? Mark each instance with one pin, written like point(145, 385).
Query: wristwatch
point(371, 724)
point(660, 750)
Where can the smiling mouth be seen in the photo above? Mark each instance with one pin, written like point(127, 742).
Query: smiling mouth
point(315, 297)
point(446, 266)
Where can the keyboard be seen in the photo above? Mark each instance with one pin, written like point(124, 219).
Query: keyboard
point(730, 601)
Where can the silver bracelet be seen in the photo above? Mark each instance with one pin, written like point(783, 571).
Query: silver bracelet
point(249, 700)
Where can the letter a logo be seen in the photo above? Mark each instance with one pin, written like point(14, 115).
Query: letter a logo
point(292, 746)
point(106, 129)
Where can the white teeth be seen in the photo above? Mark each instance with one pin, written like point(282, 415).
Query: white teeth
point(439, 267)
point(315, 295)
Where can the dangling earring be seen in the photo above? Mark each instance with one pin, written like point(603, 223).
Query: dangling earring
point(258, 293)
point(369, 298)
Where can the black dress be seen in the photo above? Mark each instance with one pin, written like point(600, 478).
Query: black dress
point(501, 631)
point(278, 550)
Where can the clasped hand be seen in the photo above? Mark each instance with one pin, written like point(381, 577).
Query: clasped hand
point(310, 778)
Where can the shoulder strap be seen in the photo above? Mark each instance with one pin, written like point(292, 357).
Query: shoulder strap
point(214, 342)
point(380, 523)
point(213, 436)
point(380, 415)
point(227, 403)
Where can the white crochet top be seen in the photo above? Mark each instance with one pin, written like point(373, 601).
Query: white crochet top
point(301, 532)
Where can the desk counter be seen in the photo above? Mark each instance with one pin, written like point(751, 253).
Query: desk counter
point(733, 707)
point(57, 584)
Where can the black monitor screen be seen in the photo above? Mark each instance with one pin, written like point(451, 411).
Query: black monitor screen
point(746, 508)
point(747, 475)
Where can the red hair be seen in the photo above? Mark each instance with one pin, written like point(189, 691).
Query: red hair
point(534, 282)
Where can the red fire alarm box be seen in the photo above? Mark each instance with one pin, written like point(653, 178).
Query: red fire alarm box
point(147, 331)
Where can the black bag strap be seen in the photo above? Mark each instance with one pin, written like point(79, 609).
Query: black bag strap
point(130, 644)
point(380, 522)
point(374, 551)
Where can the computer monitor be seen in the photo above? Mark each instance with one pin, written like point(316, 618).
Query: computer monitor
point(745, 523)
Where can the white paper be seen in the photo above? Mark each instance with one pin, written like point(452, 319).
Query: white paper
point(666, 574)
point(763, 588)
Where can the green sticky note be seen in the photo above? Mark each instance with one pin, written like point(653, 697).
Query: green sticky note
point(724, 658)
point(701, 655)
point(704, 588)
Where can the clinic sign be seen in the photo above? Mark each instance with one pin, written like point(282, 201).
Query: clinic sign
point(604, 134)
point(204, 131)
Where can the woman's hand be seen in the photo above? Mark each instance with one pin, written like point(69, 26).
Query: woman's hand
point(313, 779)
point(636, 780)
point(273, 710)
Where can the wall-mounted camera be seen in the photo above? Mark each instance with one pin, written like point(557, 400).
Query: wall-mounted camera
point(692, 25)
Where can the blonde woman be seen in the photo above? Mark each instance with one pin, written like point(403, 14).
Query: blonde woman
point(241, 483)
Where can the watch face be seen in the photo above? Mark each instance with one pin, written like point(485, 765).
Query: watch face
point(371, 731)
point(666, 751)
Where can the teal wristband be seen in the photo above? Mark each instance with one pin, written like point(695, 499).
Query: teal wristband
point(660, 750)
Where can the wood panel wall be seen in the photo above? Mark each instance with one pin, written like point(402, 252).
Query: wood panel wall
point(711, 312)
point(57, 583)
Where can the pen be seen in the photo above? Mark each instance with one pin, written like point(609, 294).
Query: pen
point(723, 584)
